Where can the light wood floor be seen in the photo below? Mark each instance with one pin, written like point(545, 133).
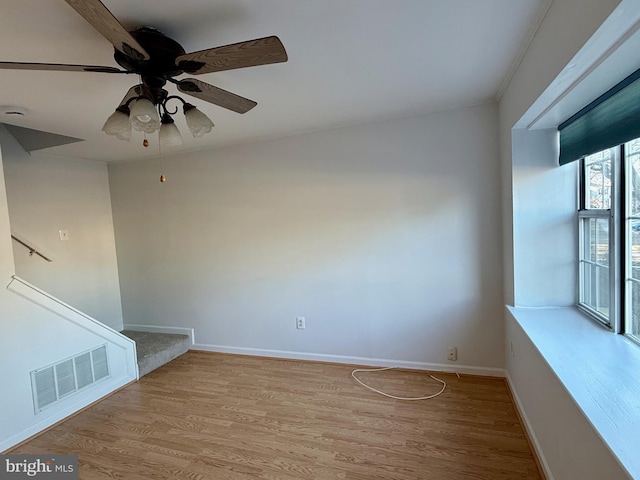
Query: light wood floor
point(214, 416)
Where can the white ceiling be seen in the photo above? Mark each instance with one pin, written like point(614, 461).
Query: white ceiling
point(350, 62)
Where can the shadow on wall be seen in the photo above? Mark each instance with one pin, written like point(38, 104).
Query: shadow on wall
point(48, 194)
point(365, 231)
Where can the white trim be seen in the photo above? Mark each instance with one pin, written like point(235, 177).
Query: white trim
point(114, 339)
point(594, 370)
point(529, 428)
point(602, 62)
point(590, 69)
point(367, 361)
point(33, 294)
point(162, 329)
point(80, 401)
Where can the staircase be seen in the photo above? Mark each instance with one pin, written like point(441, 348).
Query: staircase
point(157, 349)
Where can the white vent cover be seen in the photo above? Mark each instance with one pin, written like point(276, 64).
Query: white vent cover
point(54, 382)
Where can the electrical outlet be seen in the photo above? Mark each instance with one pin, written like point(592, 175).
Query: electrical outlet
point(300, 323)
point(452, 354)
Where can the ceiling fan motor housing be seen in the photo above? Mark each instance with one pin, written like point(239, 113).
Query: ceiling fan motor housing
point(161, 64)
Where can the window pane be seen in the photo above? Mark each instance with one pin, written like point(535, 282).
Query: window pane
point(633, 315)
point(632, 244)
point(602, 241)
point(594, 265)
point(602, 304)
point(595, 288)
point(596, 240)
point(633, 250)
point(597, 176)
point(632, 150)
point(589, 285)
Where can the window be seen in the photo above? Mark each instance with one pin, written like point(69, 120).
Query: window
point(605, 137)
point(609, 232)
point(596, 270)
point(632, 240)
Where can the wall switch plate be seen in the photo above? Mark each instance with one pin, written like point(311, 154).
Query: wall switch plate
point(64, 235)
point(300, 323)
point(452, 354)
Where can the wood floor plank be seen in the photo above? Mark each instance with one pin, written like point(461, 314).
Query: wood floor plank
point(231, 417)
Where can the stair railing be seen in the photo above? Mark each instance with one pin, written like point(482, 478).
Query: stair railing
point(32, 248)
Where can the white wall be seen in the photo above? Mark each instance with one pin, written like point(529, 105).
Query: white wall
point(565, 29)
point(540, 242)
point(386, 237)
point(47, 194)
point(544, 221)
point(572, 447)
point(34, 337)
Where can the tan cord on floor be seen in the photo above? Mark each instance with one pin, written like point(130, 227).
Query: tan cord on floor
point(353, 374)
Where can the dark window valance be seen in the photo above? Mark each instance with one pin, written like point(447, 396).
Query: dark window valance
point(611, 119)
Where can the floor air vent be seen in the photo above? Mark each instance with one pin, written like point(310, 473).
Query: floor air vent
point(57, 381)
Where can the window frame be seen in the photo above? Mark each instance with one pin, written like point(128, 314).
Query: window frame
point(627, 326)
point(606, 321)
point(618, 217)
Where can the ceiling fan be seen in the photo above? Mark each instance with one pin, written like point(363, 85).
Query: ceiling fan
point(158, 59)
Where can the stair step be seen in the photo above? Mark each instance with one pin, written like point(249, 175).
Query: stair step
point(157, 349)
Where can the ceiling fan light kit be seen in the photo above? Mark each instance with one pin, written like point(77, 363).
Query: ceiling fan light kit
point(118, 124)
point(157, 59)
point(198, 122)
point(169, 135)
point(144, 116)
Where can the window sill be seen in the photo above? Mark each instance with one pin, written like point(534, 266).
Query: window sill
point(599, 369)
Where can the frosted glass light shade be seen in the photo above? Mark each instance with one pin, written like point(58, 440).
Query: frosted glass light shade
point(169, 133)
point(198, 122)
point(118, 124)
point(144, 116)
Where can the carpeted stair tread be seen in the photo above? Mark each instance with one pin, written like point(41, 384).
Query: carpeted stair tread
point(157, 349)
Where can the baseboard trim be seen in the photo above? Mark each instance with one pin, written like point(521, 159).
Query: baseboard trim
point(350, 360)
point(540, 459)
point(92, 397)
point(162, 329)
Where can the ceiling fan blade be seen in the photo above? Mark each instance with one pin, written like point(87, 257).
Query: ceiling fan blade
point(100, 18)
point(60, 67)
point(215, 95)
point(261, 51)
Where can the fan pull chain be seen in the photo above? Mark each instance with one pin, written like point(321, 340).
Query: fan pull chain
point(145, 142)
point(162, 177)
